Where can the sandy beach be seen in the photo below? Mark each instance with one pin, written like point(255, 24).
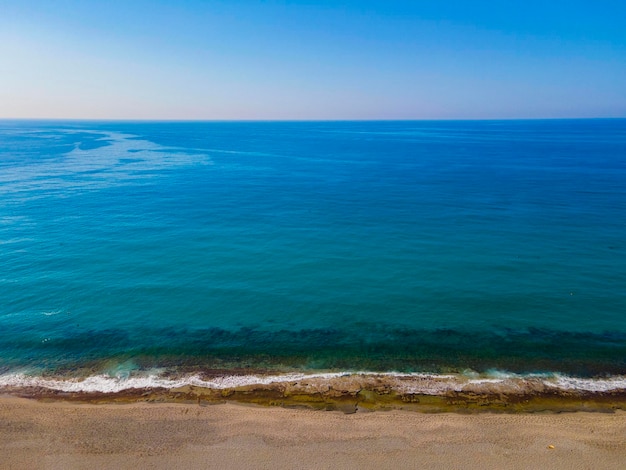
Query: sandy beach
point(64, 435)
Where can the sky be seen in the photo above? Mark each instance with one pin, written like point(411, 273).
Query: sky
point(310, 60)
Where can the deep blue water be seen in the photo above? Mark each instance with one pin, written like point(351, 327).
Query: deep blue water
point(414, 246)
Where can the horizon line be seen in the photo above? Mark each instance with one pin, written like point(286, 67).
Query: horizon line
point(56, 119)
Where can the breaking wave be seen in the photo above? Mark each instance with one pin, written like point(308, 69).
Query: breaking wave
point(414, 383)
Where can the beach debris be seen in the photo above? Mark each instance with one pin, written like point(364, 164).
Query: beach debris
point(550, 446)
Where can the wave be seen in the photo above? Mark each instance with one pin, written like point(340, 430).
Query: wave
point(108, 384)
point(403, 383)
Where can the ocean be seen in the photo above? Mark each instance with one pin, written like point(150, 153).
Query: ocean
point(152, 250)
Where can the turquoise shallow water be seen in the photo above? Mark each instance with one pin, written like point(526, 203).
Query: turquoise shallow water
point(410, 246)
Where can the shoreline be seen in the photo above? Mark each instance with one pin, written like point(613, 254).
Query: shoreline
point(346, 392)
point(37, 434)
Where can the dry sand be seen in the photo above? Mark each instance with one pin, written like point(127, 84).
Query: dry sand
point(61, 435)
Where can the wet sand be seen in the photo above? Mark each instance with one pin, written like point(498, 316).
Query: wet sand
point(67, 435)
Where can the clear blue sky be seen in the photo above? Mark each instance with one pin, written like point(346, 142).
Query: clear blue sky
point(366, 59)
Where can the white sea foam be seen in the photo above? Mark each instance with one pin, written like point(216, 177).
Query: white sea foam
point(418, 383)
point(590, 385)
point(108, 384)
point(50, 313)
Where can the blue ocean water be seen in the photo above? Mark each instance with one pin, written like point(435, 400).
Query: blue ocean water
point(388, 246)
